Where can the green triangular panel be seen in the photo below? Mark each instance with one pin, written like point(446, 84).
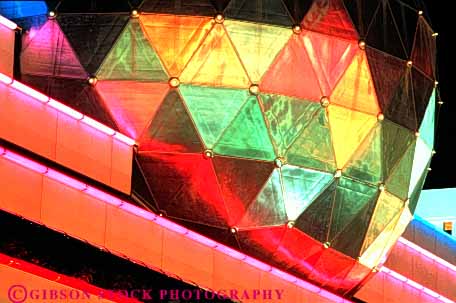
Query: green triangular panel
point(247, 136)
point(427, 128)
point(212, 109)
point(415, 196)
point(399, 180)
point(268, 209)
point(287, 117)
point(313, 147)
point(172, 129)
point(396, 141)
point(366, 164)
point(316, 219)
point(422, 157)
point(301, 187)
point(351, 197)
point(132, 57)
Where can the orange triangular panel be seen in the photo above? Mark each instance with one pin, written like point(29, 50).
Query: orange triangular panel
point(292, 73)
point(355, 89)
point(175, 38)
point(132, 104)
point(216, 63)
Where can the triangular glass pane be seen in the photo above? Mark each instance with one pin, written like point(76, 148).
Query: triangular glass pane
point(387, 72)
point(367, 162)
point(252, 241)
point(140, 189)
point(50, 54)
point(286, 118)
point(92, 36)
point(331, 18)
point(261, 11)
point(175, 38)
point(268, 209)
point(216, 63)
point(351, 198)
point(292, 73)
point(247, 136)
point(240, 182)
point(425, 49)
point(316, 219)
point(356, 89)
point(423, 155)
point(362, 12)
point(406, 18)
point(398, 181)
point(257, 45)
point(132, 104)
point(415, 196)
point(427, 128)
point(212, 109)
point(313, 147)
point(132, 58)
point(179, 7)
point(422, 90)
point(301, 187)
point(349, 128)
point(172, 129)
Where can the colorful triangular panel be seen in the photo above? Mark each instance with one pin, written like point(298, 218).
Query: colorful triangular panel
point(301, 186)
point(133, 104)
point(257, 45)
point(179, 7)
point(261, 11)
point(175, 38)
point(422, 90)
point(50, 54)
point(423, 155)
point(247, 136)
point(212, 109)
point(348, 129)
point(331, 18)
point(427, 128)
point(398, 181)
point(172, 129)
point(132, 58)
point(92, 35)
point(425, 49)
point(415, 195)
point(292, 73)
point(362, 12)
point(406, 18)
point(286, 118)
point(356, 89)
point(396, 141)
point(313, 147)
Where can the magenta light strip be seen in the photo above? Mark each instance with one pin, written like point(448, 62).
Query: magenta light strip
point(66, 110)
point(415, 285)
point(109, 199)
point(8, 23)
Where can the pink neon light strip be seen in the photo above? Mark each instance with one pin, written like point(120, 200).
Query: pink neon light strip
point(107, 198)
point(8, 23)
point(415, 285)
point(66, 110)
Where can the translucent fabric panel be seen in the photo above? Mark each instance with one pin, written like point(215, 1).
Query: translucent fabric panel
point(216, 63)
point(92, 36)
point(313, 147)
point(421, 159)
point(212, 109)
point(268, 208)
point(187, 7)
point(356, 89)
point(133, 104)
point(425, 49)
point(316, 219)
point(292, 73)
point(398, 181)
point(261, 11)
point(240, 182)
point(331, 18)
point(287, 118)
point(301, 187)
point(330, 58)
point(175, 38)
point(257, 45)
point(387, 72)
point(361, 13)
point(132, 57)
point(366, 163)
point(247, 136)
point(422, 90)
point(348, 130)
point(427, 128)
point(172, 129)
point(351, 198)
point(185, 178)
point(50, 54)
point(388, 208)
